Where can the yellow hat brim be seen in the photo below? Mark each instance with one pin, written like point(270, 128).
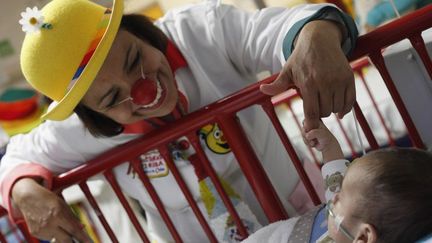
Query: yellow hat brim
point(64, 108)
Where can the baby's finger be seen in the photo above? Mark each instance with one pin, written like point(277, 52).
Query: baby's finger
point(310, 138)
point(306, 141)
point(313, 143)
point(317, 136)
point(313, 134)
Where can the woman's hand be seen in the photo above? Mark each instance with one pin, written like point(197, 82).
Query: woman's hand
point(319, 69)
point(48, 217)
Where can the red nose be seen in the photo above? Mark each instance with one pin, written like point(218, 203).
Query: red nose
point(144, 91)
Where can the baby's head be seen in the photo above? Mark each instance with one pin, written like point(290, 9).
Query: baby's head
point(386, 196)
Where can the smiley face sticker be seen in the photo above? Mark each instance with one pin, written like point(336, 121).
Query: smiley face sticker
point(214, 139)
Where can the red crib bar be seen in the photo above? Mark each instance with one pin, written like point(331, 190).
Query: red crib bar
point(188, 195)
point(344, 133)
point(392, 32)
point(21, 227)
point(378, 60)
point(297, 122)
point(418, 43)
point(24, 230)
point(252, 168)
point(115, 186)
point(409, 26)
point(269, 109)
point(381, 118)
point(2, 239)
point(95, 206)
point(365, 126)
point(218, 185)
point(286, 98)
point(136, 164)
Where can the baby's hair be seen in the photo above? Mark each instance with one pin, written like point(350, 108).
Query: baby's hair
point(398, 194)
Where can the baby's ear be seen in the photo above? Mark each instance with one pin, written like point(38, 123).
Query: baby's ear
point(366, 234)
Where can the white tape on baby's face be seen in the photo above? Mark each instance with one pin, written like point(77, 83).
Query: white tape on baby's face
point(339, 228)
point(325, 238)
point(338, 221)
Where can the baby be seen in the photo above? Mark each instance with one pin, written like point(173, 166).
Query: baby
point(386, 196)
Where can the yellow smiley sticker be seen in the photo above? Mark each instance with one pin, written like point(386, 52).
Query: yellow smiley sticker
point(214, 139)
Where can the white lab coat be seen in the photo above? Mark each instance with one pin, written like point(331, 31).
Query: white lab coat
point(224, 48)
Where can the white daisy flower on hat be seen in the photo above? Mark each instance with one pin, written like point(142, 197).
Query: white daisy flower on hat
point(32, 20)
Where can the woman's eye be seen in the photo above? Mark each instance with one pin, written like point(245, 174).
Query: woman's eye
point(113, 101)
point(135, 62)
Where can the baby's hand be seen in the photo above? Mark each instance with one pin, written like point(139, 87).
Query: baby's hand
point(320, 138)
point(324, 141)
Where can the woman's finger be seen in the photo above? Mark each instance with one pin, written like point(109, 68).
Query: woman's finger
point(60, 236)
point(311, 108)
point(350, 97)
point(280, 84)
point(325, 103)
point(50, 233)
point(338, 101)
point(72, 226)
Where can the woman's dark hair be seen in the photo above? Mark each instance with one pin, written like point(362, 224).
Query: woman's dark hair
point(398, 195)
point(98, 124)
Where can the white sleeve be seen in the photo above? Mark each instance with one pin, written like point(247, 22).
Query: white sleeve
point(262, 40)
point(50, 149)
point(251, 41)
point(54, 145)
point(333, 173)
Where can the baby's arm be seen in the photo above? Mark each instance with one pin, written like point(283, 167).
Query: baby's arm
point(335, 166)
point(324, 141)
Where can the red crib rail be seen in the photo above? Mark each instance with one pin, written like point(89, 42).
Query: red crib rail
point(408, 27)
point(223, 112)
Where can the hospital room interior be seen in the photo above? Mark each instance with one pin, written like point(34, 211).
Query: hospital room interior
point(392, 72)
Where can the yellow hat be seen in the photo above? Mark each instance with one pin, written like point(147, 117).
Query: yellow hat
point(64, 48)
